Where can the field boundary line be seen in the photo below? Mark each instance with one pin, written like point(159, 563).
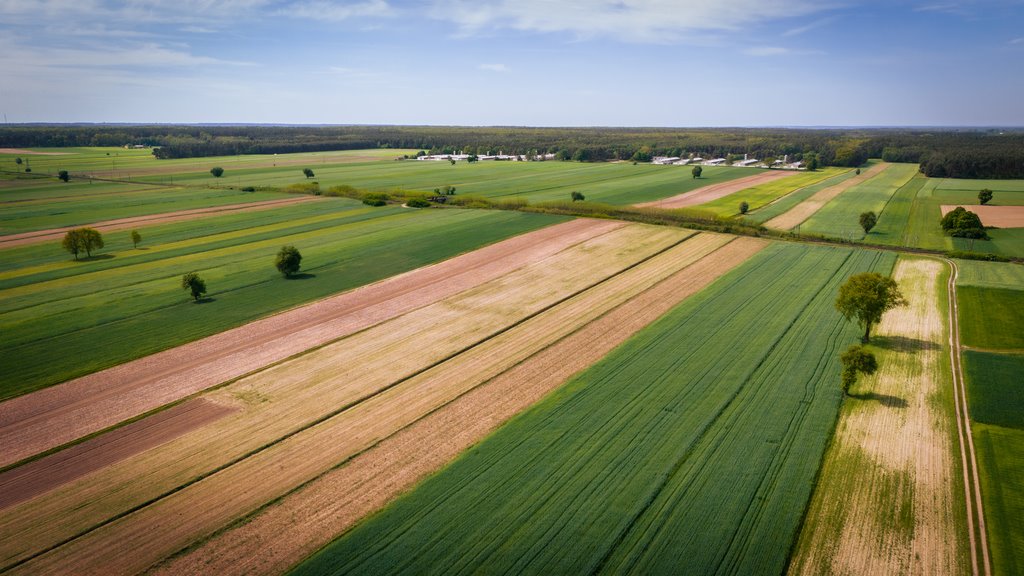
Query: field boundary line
point(341, 409)
point(972, 488)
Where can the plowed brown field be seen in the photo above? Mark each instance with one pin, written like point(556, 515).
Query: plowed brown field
point(804, 210)
point(51, 417)
point(716, 191)
point(998, 216)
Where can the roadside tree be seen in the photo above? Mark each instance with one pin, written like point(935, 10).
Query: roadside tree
point(195, 284)
point(288, 261)
point(865, 297)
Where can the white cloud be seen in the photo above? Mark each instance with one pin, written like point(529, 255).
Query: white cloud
point(1017, 41)
point(767, 51)
point(644, 21)
point(493, 67)
point(337, 11)
point(809, 26)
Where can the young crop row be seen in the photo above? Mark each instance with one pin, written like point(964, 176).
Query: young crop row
point(694, 444)
point(790, 201)
point(839, 217)
point(139, 309)
point(764, 194)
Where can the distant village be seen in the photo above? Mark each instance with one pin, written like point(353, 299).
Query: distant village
point(746, 162)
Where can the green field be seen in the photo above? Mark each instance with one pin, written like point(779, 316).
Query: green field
point(677, 448)
point(839, 218)
point(109, 310)
point(893, 226)
point(764, 194)
point(788, 202)
point(996, 394)
point(991, 318)
point(990, 274)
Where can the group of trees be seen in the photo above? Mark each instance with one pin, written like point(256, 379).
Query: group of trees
point(82, 240)
point(864, 298)
point(963, 223)
point(950, 153)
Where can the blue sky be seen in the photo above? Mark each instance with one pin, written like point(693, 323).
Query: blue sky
point(515, 62)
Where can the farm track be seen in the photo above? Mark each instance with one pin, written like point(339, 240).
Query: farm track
point(977, 532)
point(54, 416)
point(335, 501)
point(807, 208)
point(346, 389)
point(716, 191)
point(53, 234)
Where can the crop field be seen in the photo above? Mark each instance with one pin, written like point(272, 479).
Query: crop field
point(523, 313)
point(132, 303)
point(763, 194)
point(991, 318)
point(888, 497)
point(633, 453)
point(797, 214)
point(839, 217)
point(791, 200)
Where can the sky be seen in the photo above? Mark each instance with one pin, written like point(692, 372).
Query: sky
point(673, 63)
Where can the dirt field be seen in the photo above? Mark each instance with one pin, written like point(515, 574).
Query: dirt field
point(52, 234)
point(54, 416)
point(807, 208)
point(998, 216)
point(346, 391)
point(887, 499)
point(40, 476)
point(716, 191)
point(31, 153)
point(482, 389)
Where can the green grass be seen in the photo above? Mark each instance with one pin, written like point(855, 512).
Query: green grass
point(762, 195)
point(1001, 462)
point(976, 186)
point(996, 391)
point(991, 318)
point(788, 202)
point(104, 312)
point(694, 444)
point(894, 221)
point(840, 217)
point(990, 275)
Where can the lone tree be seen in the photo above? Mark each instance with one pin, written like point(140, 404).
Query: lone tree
point(217, 171)
point(308, 172)
point(193, 282)
point(577, 196)
point(858, 171)
point(18, 161)
point(81, 240)
point(63, 175)
point(744, 207)
point(985, 196)
point(856, 360)
point(865, 297)
point(868, 221)
point(136, 238)
point(696, 171)
point(288, 261)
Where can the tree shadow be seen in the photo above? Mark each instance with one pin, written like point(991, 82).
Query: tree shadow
point(205, 300)
point(903, 343)
point(300, 276)
point(96, 257)
point(883, 399)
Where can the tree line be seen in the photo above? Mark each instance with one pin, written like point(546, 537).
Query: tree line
point(971, 153)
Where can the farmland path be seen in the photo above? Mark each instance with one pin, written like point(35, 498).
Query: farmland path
point(975, 511)
point(53, 234)
point(807, 208)
point(716, 191)
point(60, 414)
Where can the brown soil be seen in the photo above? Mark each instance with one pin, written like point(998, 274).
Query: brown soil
point(998, 216)
point(148, 220)
point(54, 416)
point(20, 484)
point(284, 533)
point(804, 210)
point(716, 191)
point(30, 152)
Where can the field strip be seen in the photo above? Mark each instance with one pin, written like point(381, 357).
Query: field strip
point(289, 398)
point(885, 498)
point(716, 191)
point(40, 476)
point(808, 207)
point(977, 531)
point(36, 236)
point(998, 216)
point(272, 541)
point(59, 414)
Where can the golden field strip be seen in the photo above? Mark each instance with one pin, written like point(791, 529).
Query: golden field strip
point(888, 494)
point(370, 374)
point(51, 417)
point(807, 208)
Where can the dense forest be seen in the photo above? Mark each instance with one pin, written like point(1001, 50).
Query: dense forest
point(941, 152)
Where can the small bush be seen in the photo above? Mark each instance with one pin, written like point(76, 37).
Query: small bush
point(966, 255)
point(249, 189)
point(311, 188)
point(418, 203)
point(375, 199)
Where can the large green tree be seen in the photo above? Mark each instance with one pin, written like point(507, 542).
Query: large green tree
point(963, 223)
point(985, 196)
point(81, 240)
point(195, 284)
point(868, 221)
point(865, 297)
point(697, 170)
point(288, 261)
point(217, 171)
